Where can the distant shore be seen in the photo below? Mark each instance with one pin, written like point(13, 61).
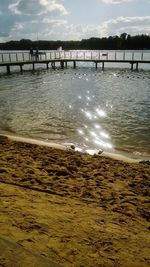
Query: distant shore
point(71, 208)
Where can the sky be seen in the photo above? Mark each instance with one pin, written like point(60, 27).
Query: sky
point(72, 19)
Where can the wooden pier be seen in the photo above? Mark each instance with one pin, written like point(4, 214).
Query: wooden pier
point(53, 58)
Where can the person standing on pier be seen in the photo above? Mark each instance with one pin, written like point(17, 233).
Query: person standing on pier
point(37, 53)
point(31, 53)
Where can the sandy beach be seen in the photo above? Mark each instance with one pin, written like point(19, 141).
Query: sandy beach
point(65, 208)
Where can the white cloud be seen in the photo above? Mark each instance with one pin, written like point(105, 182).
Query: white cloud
point(52, 5)
point(60, 30)
point(15, 8)
point(116, 1)
point(22, 7)
point(54, 21)
point(57, 29)
point(131, 25)
point(49, 29)
point(37, 7)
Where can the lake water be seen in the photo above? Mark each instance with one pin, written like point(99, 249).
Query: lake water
point(94, 109)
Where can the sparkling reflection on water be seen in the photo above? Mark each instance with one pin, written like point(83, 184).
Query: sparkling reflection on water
point(107, 110)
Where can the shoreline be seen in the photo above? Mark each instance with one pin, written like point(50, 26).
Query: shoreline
point(67, 146)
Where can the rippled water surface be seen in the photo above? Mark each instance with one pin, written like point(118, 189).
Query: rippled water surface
point(90, 108)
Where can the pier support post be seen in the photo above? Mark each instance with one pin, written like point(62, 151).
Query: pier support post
point(47, 66)
point(8, 69)
point(62, 64)
point(74, 64)
point(96, 65)
point(103, 65)
point(33, 68)
point(136, 65)
point(53, 65)
point(21, 70)
point(131, 66)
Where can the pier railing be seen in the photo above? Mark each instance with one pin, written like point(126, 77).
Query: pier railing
point(85, 55)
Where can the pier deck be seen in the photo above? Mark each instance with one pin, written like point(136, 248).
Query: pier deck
point(20, 59)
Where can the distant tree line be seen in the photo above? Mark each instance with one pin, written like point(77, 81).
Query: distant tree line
point(124, 41)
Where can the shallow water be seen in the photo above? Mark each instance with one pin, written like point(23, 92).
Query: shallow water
point(90, 108)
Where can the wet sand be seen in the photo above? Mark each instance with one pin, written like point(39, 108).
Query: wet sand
point(71, 209)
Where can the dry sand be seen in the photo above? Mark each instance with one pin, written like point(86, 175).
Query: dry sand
point(71, 208)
